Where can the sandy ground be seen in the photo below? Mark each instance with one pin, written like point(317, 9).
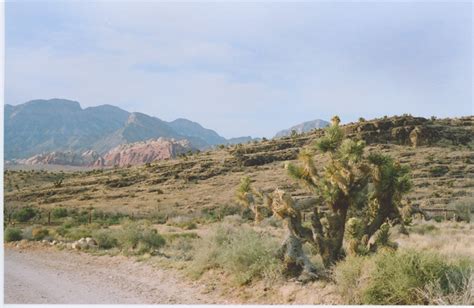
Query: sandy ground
point(50, 276)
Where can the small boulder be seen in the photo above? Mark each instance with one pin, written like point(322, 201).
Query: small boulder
point(91, 242)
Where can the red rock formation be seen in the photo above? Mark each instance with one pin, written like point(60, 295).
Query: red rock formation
point(144, 152)
point(123, 155)
point(62, 158)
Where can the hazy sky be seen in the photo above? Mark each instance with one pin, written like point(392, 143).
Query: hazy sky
point(244, 68)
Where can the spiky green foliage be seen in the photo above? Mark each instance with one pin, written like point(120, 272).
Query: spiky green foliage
point(391, 181)
point(332, 139)
point(252, 199)
point(244, 192)
point(356, 238)
point(306, 172)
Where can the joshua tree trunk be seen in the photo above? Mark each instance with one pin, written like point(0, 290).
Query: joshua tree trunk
point(296, 262)
point(329, 243)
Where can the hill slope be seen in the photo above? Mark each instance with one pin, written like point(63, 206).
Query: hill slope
point(441, 164)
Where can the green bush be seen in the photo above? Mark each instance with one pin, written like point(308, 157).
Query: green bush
point(242, 252)
point(106, 218)
point(105, 238)
point(59, 212)
point(438, 171)
point(76, 233)
point(347, 275)
point(218, 213)
point(400, 278)
point(12, 235)
point(25, 214)
point(138, 238)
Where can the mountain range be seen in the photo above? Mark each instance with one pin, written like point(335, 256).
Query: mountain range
point(60, 131)
point(302, 128)
point(42, 126)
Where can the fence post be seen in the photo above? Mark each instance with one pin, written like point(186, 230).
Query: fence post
point(49, 217)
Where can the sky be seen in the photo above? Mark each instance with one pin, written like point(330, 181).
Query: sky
point(244, 68)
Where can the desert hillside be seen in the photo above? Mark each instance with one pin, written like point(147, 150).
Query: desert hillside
point(438, 152)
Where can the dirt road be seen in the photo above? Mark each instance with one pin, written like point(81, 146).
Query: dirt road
point(50, 276)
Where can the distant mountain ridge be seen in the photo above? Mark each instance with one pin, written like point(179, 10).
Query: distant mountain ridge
point(302, 128)
point(61, 125)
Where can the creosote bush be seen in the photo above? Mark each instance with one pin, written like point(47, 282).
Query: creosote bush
point(59, 212)
point(105, 238)
point(25, 214)
point(12, 235)
point(138, 237)
point(402, 278)
point(239, 251)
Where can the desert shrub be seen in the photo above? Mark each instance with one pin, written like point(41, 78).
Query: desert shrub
point(151, 240)
point(434, 294)
point(180, 246)
point(35, 233)
point(138, 237)
point(437, 171)
point(80, 217)
point(464, 209)
point(25, 214)
point(162, 214)
point(347, 275)
point(12, 234)
point(105, 238)
point(218, 213)
point(241, 252)
point(106, 218)
point(76, 233)
point(401, 278)
point(67, 224)
point(59, 212)
point(183, 222)
point(39, 233)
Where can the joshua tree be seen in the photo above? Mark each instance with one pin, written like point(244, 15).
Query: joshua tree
point(365, 191)
point(251, 199)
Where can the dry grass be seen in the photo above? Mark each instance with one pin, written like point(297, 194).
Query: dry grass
point(452, 239)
